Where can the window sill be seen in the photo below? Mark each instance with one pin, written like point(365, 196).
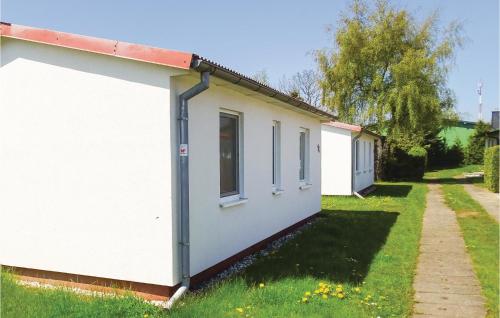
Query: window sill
point(236, 202)
point(277, 192)
point(305, 186)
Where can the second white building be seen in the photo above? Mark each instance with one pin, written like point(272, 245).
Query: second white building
point(347, 158)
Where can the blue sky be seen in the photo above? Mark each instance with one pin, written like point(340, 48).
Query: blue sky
point(276, 36)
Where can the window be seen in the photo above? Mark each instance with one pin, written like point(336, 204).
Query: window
point(356, 154)
point(370, 155)
point(229, 154)
point(304, 154)
point(276, 140)
point(364, 155)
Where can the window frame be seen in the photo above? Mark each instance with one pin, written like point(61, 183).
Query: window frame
point(234, 195)
point(276, 156)
point(370, 156)
point(356, 154)
point(364, 157)
point(306, 160)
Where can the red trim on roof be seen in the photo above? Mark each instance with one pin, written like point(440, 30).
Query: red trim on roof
point(341, 125)
point(350, 127)
point(96, 45)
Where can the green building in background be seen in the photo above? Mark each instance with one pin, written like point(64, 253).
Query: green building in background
point(461, 129)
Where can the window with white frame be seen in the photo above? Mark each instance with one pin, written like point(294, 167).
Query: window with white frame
point(364, 155)
point(370, 155)
point(276, 141)
point(356, 154)
point(229, 154)
point(304, 155)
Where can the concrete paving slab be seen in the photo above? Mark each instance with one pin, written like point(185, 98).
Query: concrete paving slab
point(448, 310)
point(443, 287)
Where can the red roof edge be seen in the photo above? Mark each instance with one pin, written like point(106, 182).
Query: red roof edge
point(345, 126)
point(125, 50)
point(350, 127)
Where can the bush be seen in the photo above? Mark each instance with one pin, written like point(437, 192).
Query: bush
point(406, 165)
point(474, 153)
point(455, 154)
point(436, 151)
point(439, 155)
point(491, 168)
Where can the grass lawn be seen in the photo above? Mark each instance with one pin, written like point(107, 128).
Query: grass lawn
point(480, 232)
point(359, 257)
point(445, 174)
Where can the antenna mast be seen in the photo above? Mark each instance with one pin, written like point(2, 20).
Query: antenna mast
point(480, 93)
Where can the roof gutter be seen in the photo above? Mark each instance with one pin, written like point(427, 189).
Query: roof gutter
point(201, 64)
point(184, 184)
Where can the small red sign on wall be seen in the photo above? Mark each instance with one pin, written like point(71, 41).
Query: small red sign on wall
point(183, 150)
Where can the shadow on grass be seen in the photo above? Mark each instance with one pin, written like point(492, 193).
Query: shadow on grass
point(454, 180)
point(392, 190)
point(339, 246)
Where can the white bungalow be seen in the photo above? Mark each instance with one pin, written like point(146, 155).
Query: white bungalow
point(347, 158)
point(94, 160)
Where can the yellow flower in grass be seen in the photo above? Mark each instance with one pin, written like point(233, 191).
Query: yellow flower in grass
point(261, 285)
point(340, 296)
point(240, 310)
point(307, 294)
point(338, 289)
point(304, 299)
point(317, 291)
point(357, 290)
point(324, 296)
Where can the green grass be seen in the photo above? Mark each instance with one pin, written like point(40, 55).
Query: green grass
point(452, 172)
point(480, 232)
point(18, 302)
point(371, 244)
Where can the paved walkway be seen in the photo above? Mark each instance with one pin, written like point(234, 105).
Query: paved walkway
point(445, 284)
point(489, 201)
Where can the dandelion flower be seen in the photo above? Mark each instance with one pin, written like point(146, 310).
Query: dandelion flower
point(307, 294)
point(304, 299)
point(240, 310)
point(357, 290)
point(261, 285)
point(340, 296)
point(324, 296)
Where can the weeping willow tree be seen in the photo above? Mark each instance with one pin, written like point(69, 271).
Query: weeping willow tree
point(388, 70)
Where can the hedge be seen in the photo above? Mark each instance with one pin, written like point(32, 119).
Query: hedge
point(404, 165)
point(491, 168)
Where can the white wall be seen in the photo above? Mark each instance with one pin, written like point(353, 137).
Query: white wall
point(218, 233)
point(85, 167)
point(364, 177)
point(335, 161)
